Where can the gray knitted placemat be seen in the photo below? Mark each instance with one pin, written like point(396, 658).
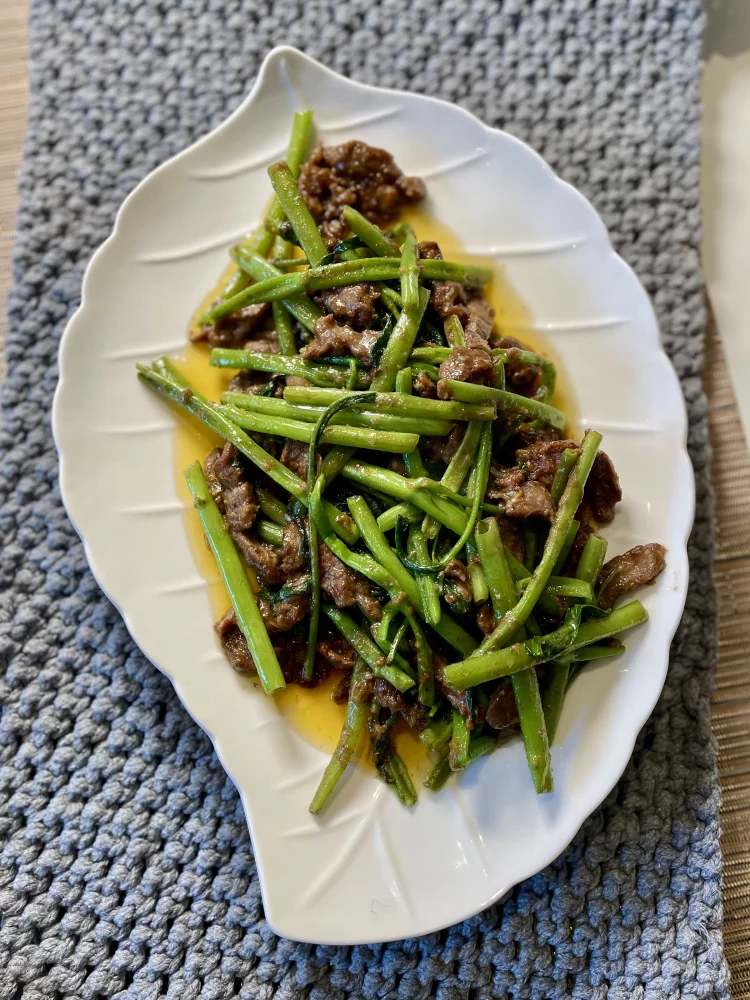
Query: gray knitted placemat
point(125, 867)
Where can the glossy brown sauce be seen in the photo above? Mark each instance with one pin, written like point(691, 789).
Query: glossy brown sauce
point(311, 712)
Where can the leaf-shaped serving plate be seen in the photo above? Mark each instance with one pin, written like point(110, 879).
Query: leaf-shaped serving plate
point(369, 870)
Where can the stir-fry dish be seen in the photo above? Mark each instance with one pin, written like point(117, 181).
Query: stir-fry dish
point(395, 497)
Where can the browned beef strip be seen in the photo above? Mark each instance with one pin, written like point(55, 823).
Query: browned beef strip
point(352, 303)
point(440, 448)
point(392, 699)
point(335, 340)
point(423, 386)
point(340, 694)
point(480, 323)
point(429, 250)
point(639, 565)
point(214, 486)
point(521, 497)
point(579, 542)
point(234, 495)
point(452, 695)
point(292, 558)
point(458, 574)
point(264, 559)
point(603, 488)
point(466, 364)
point(511, 537)
point(285, 614)
point(502, 711)
point(249, 381)
point(527, 436)
point(541, 459)
point(486, 619)
point(233, 643)
point(345, 586)
point(294, 456)
point(354, 174)
point(336, 651)
point(449, 299)
point(523, 378)
point(234, 330)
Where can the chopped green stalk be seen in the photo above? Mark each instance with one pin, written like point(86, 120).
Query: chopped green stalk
point(403, 381)
point(295, 209)
point(270, 532)
point(261, 240)
point(366, 648)
point(567, 507)
point(454, 334)
point(394, 402)
point(278, 364)
point(400, 780)
point(400, 343)
point(340, 434)
point(409, 274)
point(479, 589)
point(598, 652)
point(565, 551)
point(393, 649)
point(517, 569)
point(300, 306)
point(525, 684)
point(470, 392)
point(347, 744)
point(235, 579)
point(284, 331)
point(177, 389)
point(458, 468)
point(273, 508)
point(335, 461)
point(530, 542)
point(567, 461)
point(377, 543)
point(562, 586)
point(554, 695)
point(425, 675)
point(392, 300)
point(439, 774)
point(458, 755)
point(370, 234)
point(480, 746)
point(364, 418)
point(426, 582)
point(489, 666)
point(399, 487)
point(437, 734)
point(592, 559)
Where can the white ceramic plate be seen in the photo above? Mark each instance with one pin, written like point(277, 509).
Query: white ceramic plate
point(369, 870)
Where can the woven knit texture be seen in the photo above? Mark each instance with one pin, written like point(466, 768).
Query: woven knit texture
point(126, 868)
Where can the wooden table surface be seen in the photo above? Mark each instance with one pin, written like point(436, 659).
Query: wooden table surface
point(731, 479)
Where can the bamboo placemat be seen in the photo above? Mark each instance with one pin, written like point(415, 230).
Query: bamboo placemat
point(731, 477)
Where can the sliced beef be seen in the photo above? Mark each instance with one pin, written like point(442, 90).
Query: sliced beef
point(486, 619)
point(233, 493)
point(429, 250)
point(541, 459)
point(352, 303)
point(451, 694)
point(521, 497)
point(336, 651)
point(638, 566)
point(522, 377)
point(333, 339)
point(294, 456)
point(440, 448)
point(458, 575)
point(579, 542)
point(264, 559)
point(501, 710)
point(480, 323)
point(423, 385)
point(449, 299)
point(340, 694)
point(233, 643)
point(389, 697)
point(233, 330)
point(292, 553)
point(511, 537)
point(466, 364)
point(603, 488)
point(530, 435)
point(255, 382)
point(281, 616)
point(344, 586)
point(354, 174)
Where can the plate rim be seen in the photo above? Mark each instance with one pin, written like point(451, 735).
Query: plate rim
point(101, 573)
